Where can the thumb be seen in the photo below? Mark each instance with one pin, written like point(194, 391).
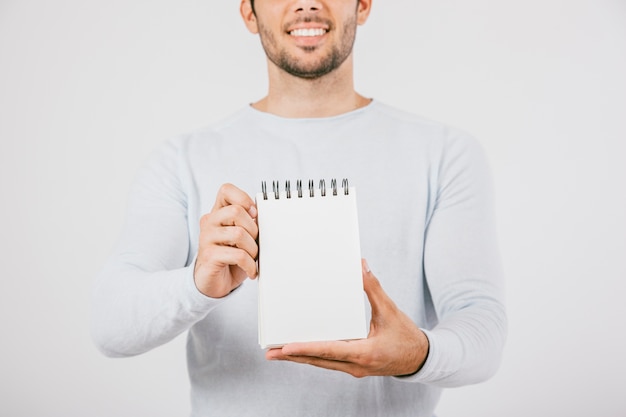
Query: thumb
point(377, 297)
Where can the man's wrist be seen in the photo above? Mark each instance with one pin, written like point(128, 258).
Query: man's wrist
point(424, 345)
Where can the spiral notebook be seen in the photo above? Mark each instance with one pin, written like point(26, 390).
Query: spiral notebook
point(310, 282)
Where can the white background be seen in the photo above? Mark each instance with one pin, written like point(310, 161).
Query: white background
point(88, 88)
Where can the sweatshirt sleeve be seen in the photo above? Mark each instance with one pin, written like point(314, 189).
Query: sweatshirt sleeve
point(145, 294)
point(463, 271)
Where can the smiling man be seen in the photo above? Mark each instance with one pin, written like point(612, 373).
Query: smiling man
point(317, 44)
point(186, 259)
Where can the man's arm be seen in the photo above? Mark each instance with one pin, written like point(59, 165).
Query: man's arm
point(150, 291)
point(462, 267)
point(464, 273)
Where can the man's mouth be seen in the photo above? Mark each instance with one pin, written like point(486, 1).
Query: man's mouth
point(308, 32)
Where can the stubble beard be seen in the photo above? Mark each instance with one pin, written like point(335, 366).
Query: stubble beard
point(326, 64)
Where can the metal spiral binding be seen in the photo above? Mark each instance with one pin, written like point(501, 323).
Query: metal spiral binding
point(299, 187)
point(276, 187)
point(322, 188)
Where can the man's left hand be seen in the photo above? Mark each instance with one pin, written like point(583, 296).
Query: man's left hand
point(394, 346)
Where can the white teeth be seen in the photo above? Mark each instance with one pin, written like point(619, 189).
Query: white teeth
point(308, 32)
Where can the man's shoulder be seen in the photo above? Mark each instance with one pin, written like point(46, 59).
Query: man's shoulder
point(207, 132)
point(419, 126)
point(235, 119)
point(404, 116)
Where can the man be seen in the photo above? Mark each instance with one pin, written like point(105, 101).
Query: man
point(186, 260)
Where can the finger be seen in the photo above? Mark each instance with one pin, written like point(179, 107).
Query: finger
point(227, 255)
point(230, 216)
point(236, 237)
point(348, 367)
point(229, 194)
point(274, 354)
point(344, 351)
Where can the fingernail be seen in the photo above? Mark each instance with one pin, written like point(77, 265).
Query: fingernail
point(252, 211)
point(367, 267)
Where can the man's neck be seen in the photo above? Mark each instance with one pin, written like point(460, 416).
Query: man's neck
point(326, 96)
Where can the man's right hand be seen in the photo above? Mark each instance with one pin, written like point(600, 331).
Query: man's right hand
point(227, 248)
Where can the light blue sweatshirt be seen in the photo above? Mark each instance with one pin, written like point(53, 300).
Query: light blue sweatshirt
point(427, 230)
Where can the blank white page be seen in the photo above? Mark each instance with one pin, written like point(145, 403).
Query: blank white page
point(310, 282)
